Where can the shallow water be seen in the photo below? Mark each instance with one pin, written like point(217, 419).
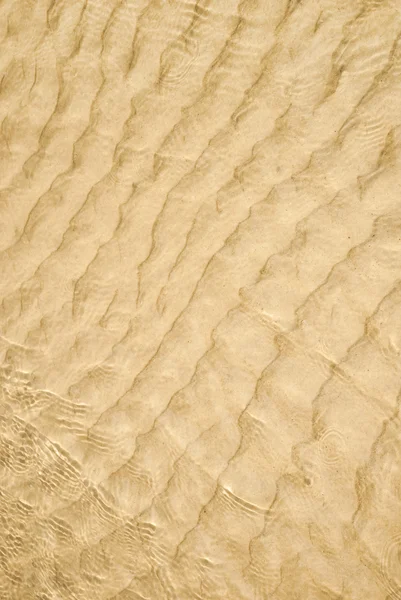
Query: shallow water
point(200, 307)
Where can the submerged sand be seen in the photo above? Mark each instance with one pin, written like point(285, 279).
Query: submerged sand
point(200, 317)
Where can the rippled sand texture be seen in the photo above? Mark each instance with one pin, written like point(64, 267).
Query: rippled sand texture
point(200, 325)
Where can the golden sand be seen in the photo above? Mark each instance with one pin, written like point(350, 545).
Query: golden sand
point(200, 300)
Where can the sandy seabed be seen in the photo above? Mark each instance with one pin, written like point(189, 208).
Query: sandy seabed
point(200, 300)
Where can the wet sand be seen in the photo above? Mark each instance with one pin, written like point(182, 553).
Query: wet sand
point(200, 300)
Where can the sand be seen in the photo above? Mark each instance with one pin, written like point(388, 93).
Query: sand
point(200, 300)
